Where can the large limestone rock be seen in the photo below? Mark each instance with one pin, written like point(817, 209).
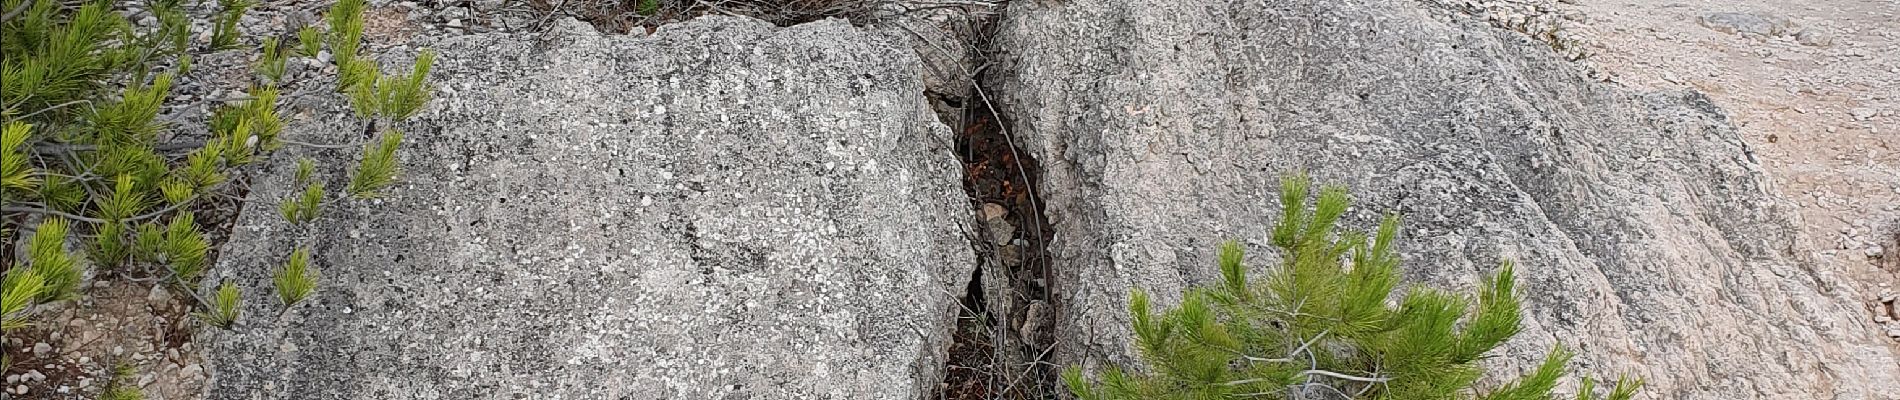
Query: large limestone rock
point(724, 210)
point(1646, 237)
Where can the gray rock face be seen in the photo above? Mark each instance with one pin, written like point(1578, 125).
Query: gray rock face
point(1746, 24)
point(1644, 232)
point(724, 210)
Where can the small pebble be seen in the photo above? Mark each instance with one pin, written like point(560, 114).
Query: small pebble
point(41, 349)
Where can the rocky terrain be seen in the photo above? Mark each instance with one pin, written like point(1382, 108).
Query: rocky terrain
point(1650, 237)
point(950, 199)
point(615, 216)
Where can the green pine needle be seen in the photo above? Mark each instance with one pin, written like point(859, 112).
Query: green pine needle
point(109, 246)
point(357, 78)
point(46, 253)
point(56, 55)
point(303, 208)
point(1497, 319)
point(309, 41)
point(22, 288)
point(177, 191)
point(122, 384)
point(204, 167)
point(185, 248)
point(1541, 381)
point(378, 168)
point(346, 29)
point(1625, 388)
point(407, 95)
point(296, 279)
point(375, 95)
point(184, 64)
point(131, 121)
point(261, 112)
point(224, 307)
point(240, 142)
point(62, 193)
point(272, 64)
point(118, 391)
point(1321, 324)
point(138, 161)
point(305, 169)
point(225, 34)
point(15, 174)
point(126, 200)
point(149, 244)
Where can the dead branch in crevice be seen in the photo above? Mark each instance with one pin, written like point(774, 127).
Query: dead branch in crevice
point(1007, 358)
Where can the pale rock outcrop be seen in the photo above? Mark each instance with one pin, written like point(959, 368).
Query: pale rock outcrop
point(1645, 235)
point(723, 210)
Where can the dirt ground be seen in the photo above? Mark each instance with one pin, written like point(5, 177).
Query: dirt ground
point(1816, 94)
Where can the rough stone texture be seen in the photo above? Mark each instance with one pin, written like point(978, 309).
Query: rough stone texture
point(942, 39)
point(1643, 229)
point(1747, 24)
point(724, 210)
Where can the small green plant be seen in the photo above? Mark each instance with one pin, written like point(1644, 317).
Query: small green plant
point(305, 169)
point(272, 64)
point(378, 168)
point(647, 7)
point(225, 34)
point(1320, 326)
point(122, 385)
point(174, 32)
point(309, 41)
point(148, 245)
point(355, 73)
point(346, 31)
point(118, 391)
point(303, 208)
point(22, 289)
point(184, 248)
point(15, 174)
point(224, 307)
point(296, 279)
point(84, 154)
point(392, 97)
point(126, 201)
point(57, 268)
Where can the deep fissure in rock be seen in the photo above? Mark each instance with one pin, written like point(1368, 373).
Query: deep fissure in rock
point(1004, 330)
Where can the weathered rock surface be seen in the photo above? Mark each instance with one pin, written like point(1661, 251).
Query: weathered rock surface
point(1645, 235)
point(725, 209)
